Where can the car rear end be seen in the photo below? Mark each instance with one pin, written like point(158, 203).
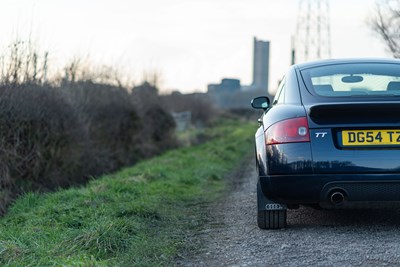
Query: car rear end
point(353, 115)
point(338, 147)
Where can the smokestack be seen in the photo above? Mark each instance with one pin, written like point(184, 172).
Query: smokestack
point(261, 65)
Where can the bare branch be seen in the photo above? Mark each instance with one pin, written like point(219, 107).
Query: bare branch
point(386, 24)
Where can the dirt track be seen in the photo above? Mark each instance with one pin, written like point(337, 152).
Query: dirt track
point(313, 237)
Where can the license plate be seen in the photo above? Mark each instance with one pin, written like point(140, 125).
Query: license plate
point(371, 137)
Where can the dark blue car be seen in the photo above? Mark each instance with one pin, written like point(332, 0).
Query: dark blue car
point(330, 139)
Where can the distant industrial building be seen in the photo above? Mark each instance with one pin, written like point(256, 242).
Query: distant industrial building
point(231, 94)
point(226, 86)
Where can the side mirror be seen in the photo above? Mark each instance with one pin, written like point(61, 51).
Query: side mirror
point(261, 102)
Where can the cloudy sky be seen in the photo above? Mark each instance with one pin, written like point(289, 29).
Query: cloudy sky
point(190, 42)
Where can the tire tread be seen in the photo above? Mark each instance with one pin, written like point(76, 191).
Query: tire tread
point(271, 219)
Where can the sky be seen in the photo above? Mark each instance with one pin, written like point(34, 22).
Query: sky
point(190, 43)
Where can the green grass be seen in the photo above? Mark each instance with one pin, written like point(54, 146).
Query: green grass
point(138, 216)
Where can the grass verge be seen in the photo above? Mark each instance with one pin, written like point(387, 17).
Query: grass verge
point(137, 216)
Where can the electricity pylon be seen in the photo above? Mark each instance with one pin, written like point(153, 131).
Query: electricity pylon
point(312, 39)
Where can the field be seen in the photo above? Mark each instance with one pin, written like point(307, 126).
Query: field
point(138, 216)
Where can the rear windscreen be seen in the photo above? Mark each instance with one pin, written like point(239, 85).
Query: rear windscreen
point(377, 79)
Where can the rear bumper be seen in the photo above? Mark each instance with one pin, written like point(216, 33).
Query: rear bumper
point(316, 189)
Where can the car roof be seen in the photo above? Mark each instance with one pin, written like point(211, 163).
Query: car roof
point(326, 62)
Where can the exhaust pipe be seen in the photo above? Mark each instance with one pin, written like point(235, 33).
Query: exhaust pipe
point(337, 197)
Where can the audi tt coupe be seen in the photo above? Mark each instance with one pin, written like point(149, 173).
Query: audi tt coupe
point(329, 139)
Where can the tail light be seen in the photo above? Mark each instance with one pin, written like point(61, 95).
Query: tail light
point(288, 131)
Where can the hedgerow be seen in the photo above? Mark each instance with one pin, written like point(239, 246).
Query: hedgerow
point(53, 137)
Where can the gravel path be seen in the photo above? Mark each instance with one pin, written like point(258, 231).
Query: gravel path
point(313, 237)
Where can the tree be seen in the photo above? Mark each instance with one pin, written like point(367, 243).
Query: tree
point(386, 23)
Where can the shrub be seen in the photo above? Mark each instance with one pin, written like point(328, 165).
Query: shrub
point(86, 125)
point(42, 139)
point(158, 125)
point(111, 121)
point(200, 105)
point(58, 137)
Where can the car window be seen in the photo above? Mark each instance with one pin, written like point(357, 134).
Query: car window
point(375, 79)
point(280, 93)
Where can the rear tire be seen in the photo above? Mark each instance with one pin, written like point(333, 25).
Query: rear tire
point(271, 219)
